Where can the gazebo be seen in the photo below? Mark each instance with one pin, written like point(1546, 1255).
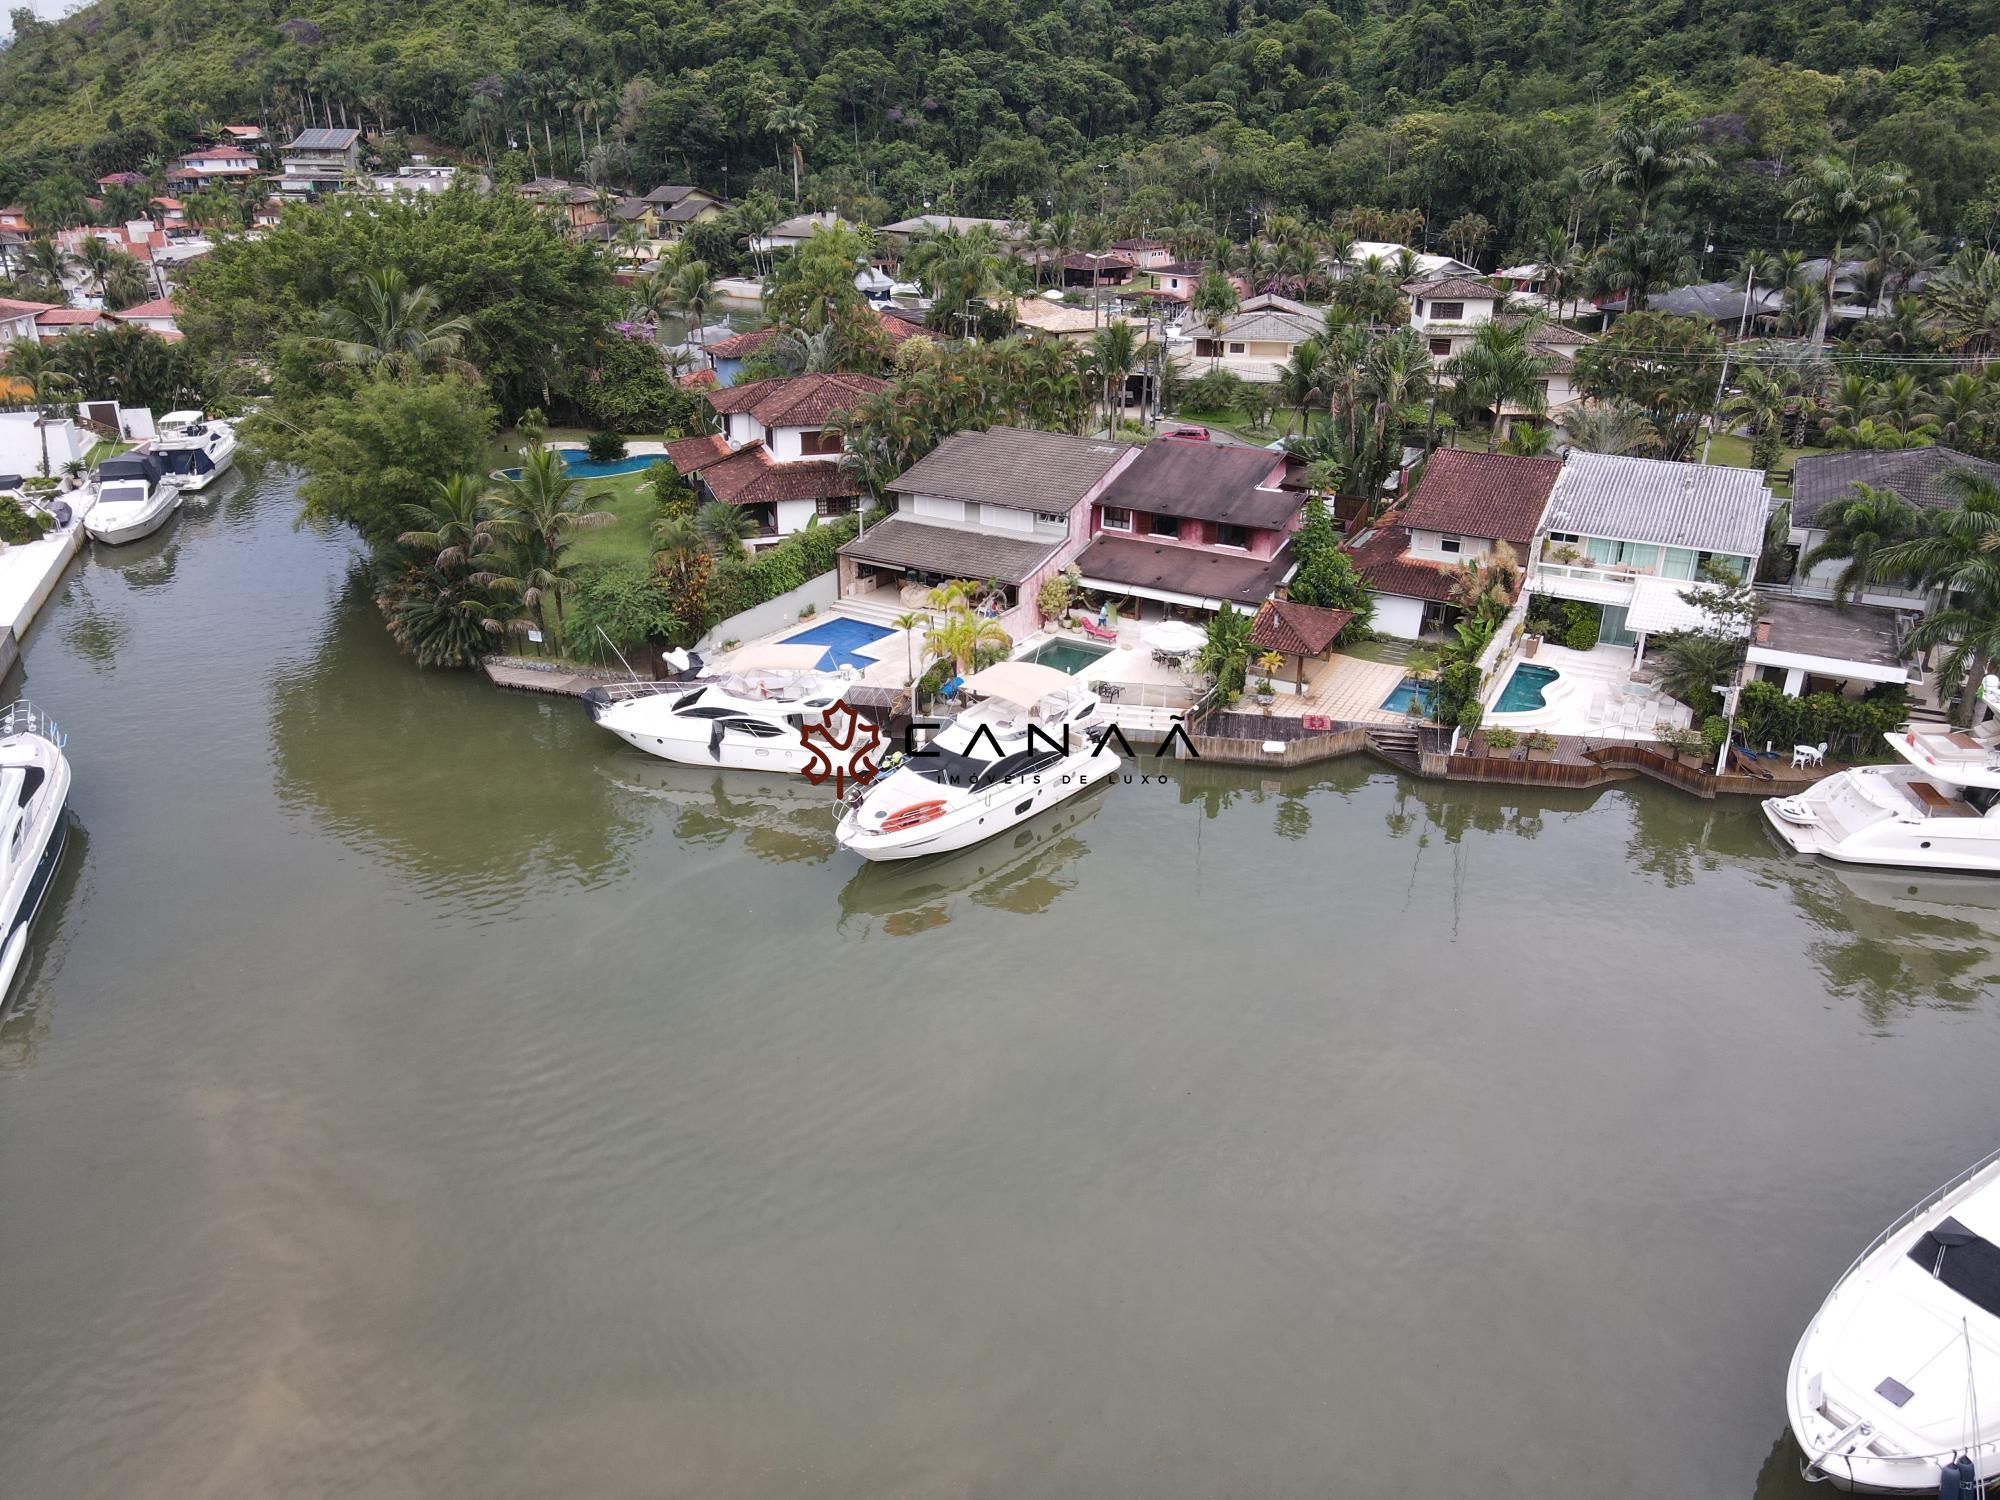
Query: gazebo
point(1298, 632)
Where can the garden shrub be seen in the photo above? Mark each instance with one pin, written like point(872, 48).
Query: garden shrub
point(605, 447)
point(18, 525)
point(623, 600)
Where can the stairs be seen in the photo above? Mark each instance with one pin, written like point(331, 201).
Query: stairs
point(1396, 745)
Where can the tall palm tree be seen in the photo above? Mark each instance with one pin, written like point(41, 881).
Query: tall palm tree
point(1498, 369)
point(1836, 198)
point(1609, 427)
point(1636, 262)
point(689, 295)
point(1643, 158)
point(963, 635)
point(1114, 350)
point(792, 124)
point(535, 517)
point(1214, 302)
point(1565, 271)
point(383, 323)
point(1957, 560)
point(34, 365)
point(43, 260)
point(1301, 380)
point(725, 527)
point(452, 526)
point(1860, 527)
point(94, 259)
point(908, 622)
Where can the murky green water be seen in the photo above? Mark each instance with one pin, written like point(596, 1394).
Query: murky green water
point(416, 1093)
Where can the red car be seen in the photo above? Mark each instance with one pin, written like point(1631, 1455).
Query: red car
point(1188, 434)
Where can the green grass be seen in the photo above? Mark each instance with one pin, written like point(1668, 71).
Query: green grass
point(1734, 449)
point(629, 539)
point(1232, 421)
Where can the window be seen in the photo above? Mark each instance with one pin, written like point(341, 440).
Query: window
point(1053, 517)
point(1441, 348)
point(1235, 348)
point(1450, 543)
point(1568, 537)
point(1448, 312)
point(839, 505)
point(1160, 525)
point(1227, 535)
point(1115, 518)
point(818, 443)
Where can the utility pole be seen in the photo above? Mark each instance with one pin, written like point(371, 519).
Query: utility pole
point(1721, 385)
point(1731, 691)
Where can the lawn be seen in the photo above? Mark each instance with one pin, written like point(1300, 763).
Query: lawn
point(1230, 420)
point(627, 539)
point(1731, 448)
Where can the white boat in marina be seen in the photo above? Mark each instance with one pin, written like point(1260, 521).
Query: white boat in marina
point(1031, 744)
point(1895, 1387)
point(195, 449)
point(749, 717)
point(135, 496)
point(34, 790)
point(1938, 810)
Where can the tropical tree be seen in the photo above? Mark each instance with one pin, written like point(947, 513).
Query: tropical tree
point(725, 527)
point(1956, 558)
point(1608, 427)
point(1836, 198)
point(1114, 352)
point(793, 125)
point(1964, 296)
point(1645, 155)
point(1214, 301)
point(535, 518)
point(688, 295)
point(1500, 368)
point(1858, 528)
point(383, 323)
point(451, 527)
point(964, 636)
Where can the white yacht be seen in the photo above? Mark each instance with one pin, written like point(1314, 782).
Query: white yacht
point(34, 790)
point(1937, 810)
point(1033, 742)
point(134, 498)
point(1897, 1379)
point(749, 717)
point(195, 449)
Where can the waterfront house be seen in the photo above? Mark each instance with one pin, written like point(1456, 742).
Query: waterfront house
point(1815, 646)
point(1190, 527)
point(1005, 508)
point(773, 457)
point(1631, 534)
point(1464, 509)
point(17, 321)
point(1256, 339)
point(1919, 477)
point(210, 166)
point(789, 234)
point(575, 205)
point(676, 205)
point(318, 162)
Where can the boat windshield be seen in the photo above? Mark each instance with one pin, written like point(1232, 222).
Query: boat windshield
point(131, 492)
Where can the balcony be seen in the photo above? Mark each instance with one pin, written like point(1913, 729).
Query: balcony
point(1613, 585)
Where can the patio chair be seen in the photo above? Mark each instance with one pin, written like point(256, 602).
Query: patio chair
point(1600, 708)
point(1098, 632)
point(1808, 755)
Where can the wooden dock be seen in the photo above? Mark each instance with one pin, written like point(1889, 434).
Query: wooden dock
point(525, 676)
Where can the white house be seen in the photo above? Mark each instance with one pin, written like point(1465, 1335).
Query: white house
point(1423, 264)
point(1920, 477)
point(789, 234)
point(1261, 335)
point(1447, 315)
point(17, 321)
point(1006, 508)
point(157, 316)
point(773, 456)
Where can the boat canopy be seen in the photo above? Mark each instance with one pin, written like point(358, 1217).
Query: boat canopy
point(777, 656)
point(181, 419)
point(1024, 682)
point(143, 467)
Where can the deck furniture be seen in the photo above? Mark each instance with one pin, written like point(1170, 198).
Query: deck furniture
point(1808, 755)
point(1098, 632)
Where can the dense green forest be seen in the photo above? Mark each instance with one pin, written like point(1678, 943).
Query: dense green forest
point(1222, 109)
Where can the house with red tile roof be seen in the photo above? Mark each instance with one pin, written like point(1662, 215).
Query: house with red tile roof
point(1465, 509)
point(61, 322)
point(726, 357)
point(206, 166)
point(17, 321)
point(773, 456)
point(157, 316)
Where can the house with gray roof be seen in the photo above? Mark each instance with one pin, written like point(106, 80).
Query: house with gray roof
point(1631, 535)
point(318, 162)
point(1255, 340)
point(1007, 506)
point(1927, 478)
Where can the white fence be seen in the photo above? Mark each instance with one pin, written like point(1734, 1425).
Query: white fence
point(774, 614)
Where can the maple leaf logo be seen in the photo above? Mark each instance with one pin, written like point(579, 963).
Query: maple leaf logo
point(843, 746)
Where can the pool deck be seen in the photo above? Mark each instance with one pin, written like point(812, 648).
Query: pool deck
point(1346, 689)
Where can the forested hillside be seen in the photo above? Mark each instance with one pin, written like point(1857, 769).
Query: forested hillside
point(1225, 107)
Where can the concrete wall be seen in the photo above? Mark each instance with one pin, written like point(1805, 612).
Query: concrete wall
point(1398, 616)
point(773, 614)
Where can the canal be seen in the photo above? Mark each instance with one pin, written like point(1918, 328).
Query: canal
point(415, 1093)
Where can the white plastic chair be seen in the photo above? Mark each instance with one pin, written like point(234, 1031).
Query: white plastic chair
point(1808, 755)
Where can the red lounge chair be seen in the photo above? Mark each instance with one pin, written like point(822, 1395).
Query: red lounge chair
point(1099, 632)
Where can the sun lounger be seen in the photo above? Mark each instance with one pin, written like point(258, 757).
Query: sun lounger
point(1099, 632)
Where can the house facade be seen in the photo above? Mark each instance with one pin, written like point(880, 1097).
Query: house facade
point(1256, 339)
point(1448, 313)
point(209, 166)
point(158, 316)
point(1191, 527)
point(773, 458)
point(1919, 477)
point(1007, 508)
point(17, 321)
point(318, 162)
point(1145, 254)
point(1465, 508)
point(1630, 534)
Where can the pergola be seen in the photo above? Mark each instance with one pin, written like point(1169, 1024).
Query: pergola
point(1298, 632)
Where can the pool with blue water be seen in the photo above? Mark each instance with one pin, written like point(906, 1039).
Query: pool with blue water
point(1523, 691)
point(843, 639)
point(1407, 691)
point(577, 466)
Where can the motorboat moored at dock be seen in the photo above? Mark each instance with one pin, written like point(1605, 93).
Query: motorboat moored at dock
point(750, 716)
point(34, 791)
point(195, 449)
point(135, 496)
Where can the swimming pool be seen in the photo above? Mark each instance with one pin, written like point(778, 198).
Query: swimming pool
point(577, 466)
point(1067, 656)
point(1523, 692)
point(843, 639)
point(1398, 702)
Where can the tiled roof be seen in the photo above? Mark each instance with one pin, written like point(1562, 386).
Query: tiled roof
point(1264, 326)
point(750, 476)
point(1208, 481)
point(1077, 260)
point(56, 316)
point(796, 400)
point(1709, 507)
point(1493, 495)
point(1013, 466)
point(692, 453)
point(1193, 572)
point(1384, 562)
point(11, 307)
point(1921, 476)
point(159, 307)
point(1453, 289)
point(953, 551)
point(743, 345)
point(670, 192)
point(1299, 629)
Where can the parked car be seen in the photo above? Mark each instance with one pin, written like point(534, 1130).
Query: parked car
point(1187, 434)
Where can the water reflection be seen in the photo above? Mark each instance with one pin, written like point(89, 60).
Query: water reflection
point(1779, 1478)
point(26, 1011)
point(424, 768)
point(784, 819)
point(1026, 870)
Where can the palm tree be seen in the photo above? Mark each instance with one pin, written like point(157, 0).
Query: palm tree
point(1565, 271)
point(1498, 369)
point(908, 622)
point(1214, 302)
point(1860, 527)
point(688, 295)
point(1836, 198)
point(451, 527)
point(1761, 402)
point(1637, 262)
point(43, 260)
point(1301, 380)
point(1609, 427)
point(1957, 560)
point(1643, 158)
point(382, 323)
point(724, 527)
point(1114, 350)
point(1965, 298)
point(963, 635)
point(95, 260)
point(34, 365)
point(535, 516)
point(792, 124)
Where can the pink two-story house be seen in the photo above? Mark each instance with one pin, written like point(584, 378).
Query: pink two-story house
point(1192, 526)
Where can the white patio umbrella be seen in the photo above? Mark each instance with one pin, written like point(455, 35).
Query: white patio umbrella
point(1176, 636)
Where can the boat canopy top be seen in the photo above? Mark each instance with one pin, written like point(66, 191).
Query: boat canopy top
point(777, 656)
point(1958, 757)
point(1022, 682)
point(143, 467)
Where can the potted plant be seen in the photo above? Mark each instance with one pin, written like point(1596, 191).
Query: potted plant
point(1680, 742)
point(1530, 644)
point(807, 611)
point(1564, 553)
point(1540, 746)
point(1470, 717)
point(1266, 694)
point(1269, 664)
point(1500, 741)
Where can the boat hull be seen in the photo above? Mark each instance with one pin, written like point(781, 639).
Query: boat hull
point(55, 840)
point(195, 483)
point(732, 754)
point(116, 531)
point(1914, 846)
point(978, 816)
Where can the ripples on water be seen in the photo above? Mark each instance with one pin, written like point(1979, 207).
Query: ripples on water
point(414, 1092)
